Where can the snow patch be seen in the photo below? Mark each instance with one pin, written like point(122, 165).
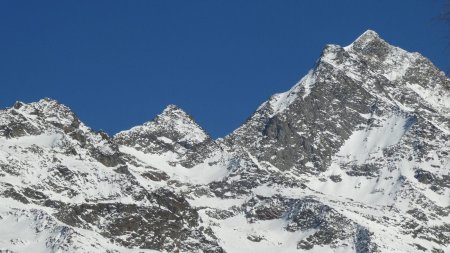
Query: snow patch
point(203, 173)
point(42, 140)
point(363, 143)
point(165, 140)
point(274, 237)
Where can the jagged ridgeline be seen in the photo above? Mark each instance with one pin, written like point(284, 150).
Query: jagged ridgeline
point(354, 158)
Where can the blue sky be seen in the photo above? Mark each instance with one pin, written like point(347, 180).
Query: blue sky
point(119, 63)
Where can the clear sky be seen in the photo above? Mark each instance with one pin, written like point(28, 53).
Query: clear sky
point(119, 63)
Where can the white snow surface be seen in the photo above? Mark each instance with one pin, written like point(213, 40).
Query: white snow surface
point(363, 143)
point(200, 174)
point(32, 229)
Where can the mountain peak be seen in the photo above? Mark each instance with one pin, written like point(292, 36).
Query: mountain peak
point(370, 44)
point(47, 106)
point(368, 35)
point(174, 112)
point(172, 107)
point(177, 120)
point(174, 116)
point(37, 117)
point(45, 102)
point(172, 123)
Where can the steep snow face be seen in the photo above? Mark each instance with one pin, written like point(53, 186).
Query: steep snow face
point(41, 162)
point(353, 158)
point(374, 139)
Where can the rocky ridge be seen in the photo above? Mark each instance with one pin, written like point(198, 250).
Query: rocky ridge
point(353, 158)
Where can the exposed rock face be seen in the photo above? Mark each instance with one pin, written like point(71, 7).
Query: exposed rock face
point(350, 88)
point(354, 158)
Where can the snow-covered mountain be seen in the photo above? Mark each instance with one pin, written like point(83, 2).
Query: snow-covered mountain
point(354, 158)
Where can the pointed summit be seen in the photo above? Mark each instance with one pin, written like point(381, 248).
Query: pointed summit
point(370, 44)
point(174, 112)
point(37, 117)
point(368, 35)
point(173, 133)
point(177, 120)
point(332, 98)
point(366, 38)
point(172, 125)
point(172, 107)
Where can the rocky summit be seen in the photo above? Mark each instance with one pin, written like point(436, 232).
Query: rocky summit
point(353, 158)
